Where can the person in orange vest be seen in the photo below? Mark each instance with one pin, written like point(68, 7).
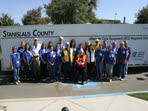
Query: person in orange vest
point(67, 59)
point(81, 64)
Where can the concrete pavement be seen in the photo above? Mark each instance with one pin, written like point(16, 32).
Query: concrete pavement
point(110, 103)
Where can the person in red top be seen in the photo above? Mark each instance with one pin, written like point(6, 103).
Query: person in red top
point(81, 64)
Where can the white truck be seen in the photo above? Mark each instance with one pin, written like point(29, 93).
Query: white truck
point(136, 34)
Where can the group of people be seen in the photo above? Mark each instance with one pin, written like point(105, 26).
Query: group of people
point(93, 61)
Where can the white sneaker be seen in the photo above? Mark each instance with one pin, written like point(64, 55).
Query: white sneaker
point(122, 79)
point(110, 80)
point(118, 78)
point(16, 83)
point(19, 81)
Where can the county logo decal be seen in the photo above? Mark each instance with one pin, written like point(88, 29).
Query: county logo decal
point(134, 54)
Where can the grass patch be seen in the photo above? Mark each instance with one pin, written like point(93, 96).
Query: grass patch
point(143, 96)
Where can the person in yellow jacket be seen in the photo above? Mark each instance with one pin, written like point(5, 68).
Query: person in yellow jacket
point(67, 59)
point(96, 45)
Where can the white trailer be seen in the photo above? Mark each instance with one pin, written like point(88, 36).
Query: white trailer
point(137, 35)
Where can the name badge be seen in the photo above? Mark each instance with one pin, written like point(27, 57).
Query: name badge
point(65, 53)
point(63, 47)
point(18, 62)
point(100, 54)
point(112, 55)
point(123, 52)
point(53, 56)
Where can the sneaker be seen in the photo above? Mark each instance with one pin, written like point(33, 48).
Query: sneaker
point(51, 80)
point(19, 81)
point(54, 80)
point(16, 83)
point(118, 78)
point(44, 80)
point(110, 80)
point(122, 79)
point(28, 79)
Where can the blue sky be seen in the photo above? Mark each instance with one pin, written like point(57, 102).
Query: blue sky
point(106, 8)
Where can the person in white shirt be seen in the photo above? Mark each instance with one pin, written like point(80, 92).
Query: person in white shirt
point(36, 60)
point(91, 61)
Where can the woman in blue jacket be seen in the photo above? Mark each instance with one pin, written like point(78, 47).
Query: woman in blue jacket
point(51, 58)
point(28, 65)
point(58, 63)
point(122, 59)
point(99, 61)
point(43, 60)
point(110, 59)
point(15, 61)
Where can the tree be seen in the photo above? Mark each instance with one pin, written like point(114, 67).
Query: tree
point(6, 20)
point(33, 17)
point(142, 16)
point(72, 11)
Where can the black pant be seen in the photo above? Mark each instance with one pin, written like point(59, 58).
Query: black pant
point(43, 70)
point(80, 71)
point(91, 70)
point(68, 70)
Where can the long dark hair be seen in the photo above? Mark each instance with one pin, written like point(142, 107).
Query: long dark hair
point(90, 46)
point(26, 46)
point(49, 44)
point(74, 43)
point(42, 45)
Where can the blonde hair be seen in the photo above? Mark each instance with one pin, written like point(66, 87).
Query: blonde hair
point(13, 48)
point(87, 42)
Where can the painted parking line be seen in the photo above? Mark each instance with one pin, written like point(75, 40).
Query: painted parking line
point(110, 94)
point(91, 85)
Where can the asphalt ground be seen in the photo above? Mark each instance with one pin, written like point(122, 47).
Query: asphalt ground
point(136, 80)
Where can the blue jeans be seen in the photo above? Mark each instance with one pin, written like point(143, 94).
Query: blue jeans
point(58, 70)
point(99, 68)
point(16, 74)
point(122, 70)
point(126, 67)
point(52, 71)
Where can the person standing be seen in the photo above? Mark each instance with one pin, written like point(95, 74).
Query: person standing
point(81, 64)
point(105, 49)
point(36, 59)
point(99, 62)
point(62, 45)
point(129, 55)
point(67, 59)
point(15, 61)
point(73, 46)
point(43, 61)
point(87, 43)
point(115, 49)
point(91, 61)
point(110, 57)
point(96, 46)
point(58, 63)
point(80, 47)
point(21, 50)
point(122, 59)
point(28, 62)
point(51, 58)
